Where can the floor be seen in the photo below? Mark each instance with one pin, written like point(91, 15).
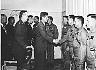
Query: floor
point(55, 65)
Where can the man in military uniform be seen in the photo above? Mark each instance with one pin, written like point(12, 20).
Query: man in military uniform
point(36, 21)
point(92, 39)
point(28, 24)
point(67, 39)
point(52, 31)
point(65, 28)
point(81, 49)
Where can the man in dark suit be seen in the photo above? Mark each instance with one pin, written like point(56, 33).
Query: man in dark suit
point(42, 39)
point(36, 21)
point(3, 38)
point(20, 43)
point(29, 29)
point(10, 36)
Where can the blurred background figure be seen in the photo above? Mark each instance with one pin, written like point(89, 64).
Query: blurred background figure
point(10, 36)
point(36, 21)
point(3, 38)
point(3, 20)
point(28, 24)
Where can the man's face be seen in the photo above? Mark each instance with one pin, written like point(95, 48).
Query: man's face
point(49, 21)
point(3, 20)
point(45, 18)
point(24, 17)
point(36, 20)
point(91, 23)
point(65, 20)
point(12, 21)
point(78, 23)
point(30, 19)
point(70, 21)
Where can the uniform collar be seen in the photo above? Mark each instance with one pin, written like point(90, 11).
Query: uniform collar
point(43, 23)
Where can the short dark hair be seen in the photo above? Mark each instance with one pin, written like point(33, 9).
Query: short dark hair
point(80, 18)
point(21, 13)
point(3, 15)
point(30, 16)
point(37, 17)
point(91, 15)
point(50, 17)
point(43, 14)
point(65, 17)
point(72, 16)
point(9, 19)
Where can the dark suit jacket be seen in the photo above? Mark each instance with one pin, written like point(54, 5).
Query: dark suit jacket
point(20, 35)
point(3, 44)
point(42, 38)
point(29, 33)
point(10, 34)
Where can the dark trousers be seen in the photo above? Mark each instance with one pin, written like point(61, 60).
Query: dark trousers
point(19, 55)
point(40, 58)
point(3, 54)
point(50, 52)
point(9, 53)
point(66, 56)
point(50, 56)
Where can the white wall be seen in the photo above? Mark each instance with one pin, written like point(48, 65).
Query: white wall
point(80, 7)
point(34, 5)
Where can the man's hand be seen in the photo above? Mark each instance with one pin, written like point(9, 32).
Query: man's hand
point(55, 41)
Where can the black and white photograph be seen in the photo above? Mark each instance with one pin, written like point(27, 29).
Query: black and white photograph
point(48, 35)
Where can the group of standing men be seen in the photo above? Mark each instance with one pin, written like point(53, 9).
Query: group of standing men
point(78, 44)
point(40, 35)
